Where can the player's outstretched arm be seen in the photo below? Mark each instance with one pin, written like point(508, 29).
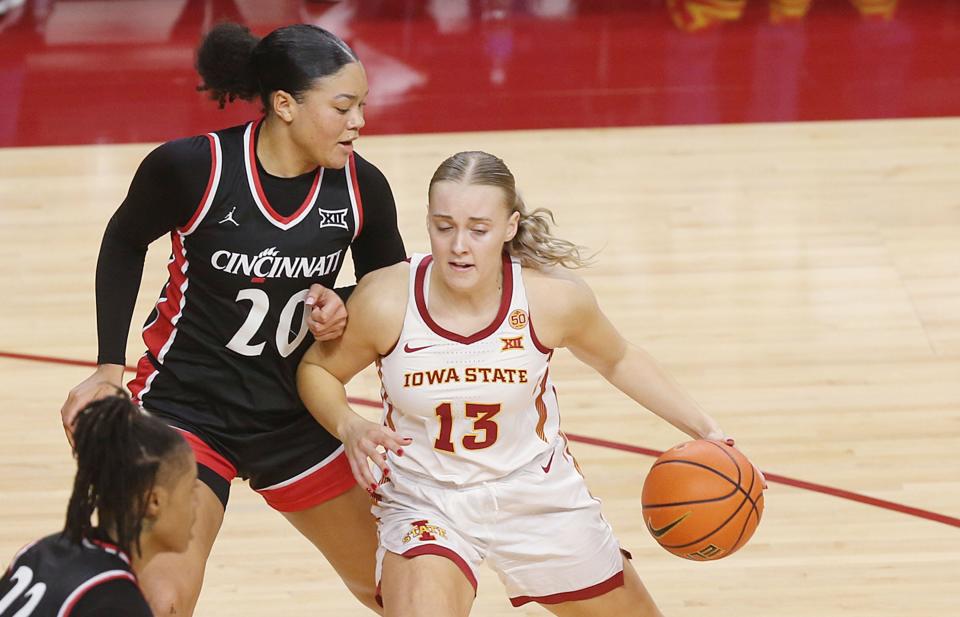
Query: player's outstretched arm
point(376, 311)
point(577, 322)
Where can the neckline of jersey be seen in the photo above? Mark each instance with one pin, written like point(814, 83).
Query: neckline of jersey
point(506, 297)
point(108, 547)
point(253, 170)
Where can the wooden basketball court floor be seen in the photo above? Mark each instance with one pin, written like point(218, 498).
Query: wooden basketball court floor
point(801, 280)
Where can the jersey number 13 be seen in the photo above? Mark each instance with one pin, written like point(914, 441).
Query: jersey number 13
point(484, 423)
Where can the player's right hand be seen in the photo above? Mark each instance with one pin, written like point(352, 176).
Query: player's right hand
point(361, 439)
point(104, 382)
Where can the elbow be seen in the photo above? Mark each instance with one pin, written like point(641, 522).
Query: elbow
point(609, 371)
point(619, 365)
point(306, 374)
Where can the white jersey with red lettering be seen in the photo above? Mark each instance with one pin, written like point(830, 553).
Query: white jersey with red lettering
point(477, 407)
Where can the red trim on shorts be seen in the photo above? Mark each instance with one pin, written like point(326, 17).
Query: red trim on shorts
point(580, 594)
point(208, 457)
point(506, 298)
point(443, 551)
point(331, 480)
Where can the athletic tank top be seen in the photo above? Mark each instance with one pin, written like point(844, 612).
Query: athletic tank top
point(477, 407)
point(49, 577)
point(229, 330)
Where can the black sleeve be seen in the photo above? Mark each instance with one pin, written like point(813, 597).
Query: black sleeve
point(164, 194)
point(379, 243)
point(117, 597)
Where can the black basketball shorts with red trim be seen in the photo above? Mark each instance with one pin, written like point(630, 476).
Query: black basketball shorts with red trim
point(292, 461)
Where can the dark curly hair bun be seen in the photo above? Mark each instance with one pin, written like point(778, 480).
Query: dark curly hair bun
point(223, 61)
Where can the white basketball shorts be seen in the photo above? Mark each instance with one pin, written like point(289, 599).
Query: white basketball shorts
point(538, 528)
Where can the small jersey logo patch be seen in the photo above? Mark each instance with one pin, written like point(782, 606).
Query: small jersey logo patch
point(333, 218)
point(408, 349)
point(424, 531)
point(518, 319)
point(229, 218)
point(512, 342)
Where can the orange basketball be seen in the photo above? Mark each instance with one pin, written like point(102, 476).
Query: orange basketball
point(702, 500)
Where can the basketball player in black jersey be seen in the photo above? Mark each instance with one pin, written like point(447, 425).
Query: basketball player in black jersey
point(258, 215)
point(140, 478)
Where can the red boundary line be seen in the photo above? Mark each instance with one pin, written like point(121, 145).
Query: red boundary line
point(614, 445)
point(810, 486)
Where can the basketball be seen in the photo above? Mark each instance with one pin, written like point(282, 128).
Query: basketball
point(702, 500)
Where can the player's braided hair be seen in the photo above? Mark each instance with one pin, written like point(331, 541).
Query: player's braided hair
point(120, 452)
point(235, 64)
point(534, 244)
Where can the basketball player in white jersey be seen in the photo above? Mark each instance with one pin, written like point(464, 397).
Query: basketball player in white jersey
point(476, 467)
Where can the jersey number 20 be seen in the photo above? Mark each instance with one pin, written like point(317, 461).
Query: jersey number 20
point(260, 305)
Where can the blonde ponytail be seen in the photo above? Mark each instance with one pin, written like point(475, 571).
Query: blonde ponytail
point(534, 244)
point(537, 247)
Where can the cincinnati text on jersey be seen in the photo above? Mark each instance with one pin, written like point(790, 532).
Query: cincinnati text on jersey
point(269, 264)
point(471, 374)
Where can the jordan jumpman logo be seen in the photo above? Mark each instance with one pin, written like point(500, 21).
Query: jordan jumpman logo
point(229, 217)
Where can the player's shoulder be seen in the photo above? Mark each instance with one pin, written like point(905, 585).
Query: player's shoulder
point(364, 166)
point(383, 289)
point(196, 150)
point(29, 549)
point(369, 175)
point(113, 595)
point(560, 301)
point(555, 282)
point(173, 158)
point(394, 275)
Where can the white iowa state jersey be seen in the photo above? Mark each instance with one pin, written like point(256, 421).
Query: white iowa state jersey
point(477, 407)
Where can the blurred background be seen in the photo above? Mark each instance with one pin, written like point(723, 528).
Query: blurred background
point(112, 71)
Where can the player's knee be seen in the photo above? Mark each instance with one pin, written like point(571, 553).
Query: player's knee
point(365, 591)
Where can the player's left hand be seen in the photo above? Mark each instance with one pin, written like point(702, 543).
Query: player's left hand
point(326, 313)
point(720, 436)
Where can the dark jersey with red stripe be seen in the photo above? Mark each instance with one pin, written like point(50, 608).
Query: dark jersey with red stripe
point(228, 330)
point(55, 577)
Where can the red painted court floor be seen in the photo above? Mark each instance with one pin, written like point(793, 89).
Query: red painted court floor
point(83, 71)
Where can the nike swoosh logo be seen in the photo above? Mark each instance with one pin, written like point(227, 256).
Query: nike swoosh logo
point(407, 348)
point(659, 533)
point(549, 463)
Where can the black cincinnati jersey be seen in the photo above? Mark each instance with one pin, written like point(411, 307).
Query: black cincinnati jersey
point(54, 577)
point(229, 329)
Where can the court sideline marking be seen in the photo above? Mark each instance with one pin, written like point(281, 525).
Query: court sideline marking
point(614, 445)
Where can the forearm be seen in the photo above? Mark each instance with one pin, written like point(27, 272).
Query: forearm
point(119, 270)
point(325, 397)
point(639, 376)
